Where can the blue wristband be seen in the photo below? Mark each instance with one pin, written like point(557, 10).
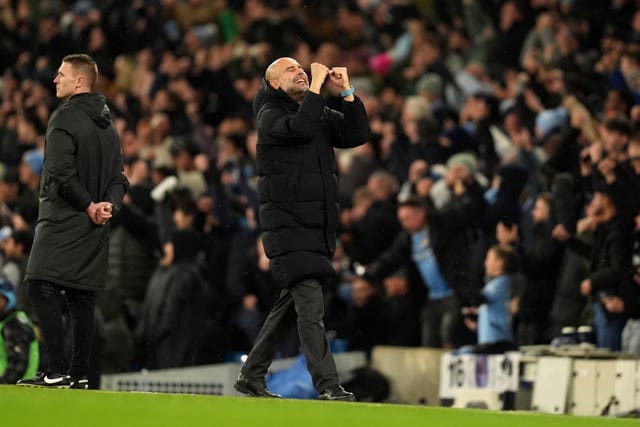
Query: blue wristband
point(347, 92)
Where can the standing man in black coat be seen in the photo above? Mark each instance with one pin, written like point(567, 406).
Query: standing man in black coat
point(299, 210)
point(82, 186)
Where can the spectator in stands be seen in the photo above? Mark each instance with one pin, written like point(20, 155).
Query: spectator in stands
point(627, 303)
point(607, 260)
point(369, 226)
point(19, 357)
point(15, 248)
point(30, 170)
point(9, 194)
point(481, 115)
point(134, 248)
point(356, 167)
point(418, 138)
point(259, 292)
point(367, 325)
point(179, 298)
point(538, 260)
point(620, 172)
point(510, 33)
point(504, 202)
point(403, 304)
point(493, 322)
point(421, 243)
point(568, 305)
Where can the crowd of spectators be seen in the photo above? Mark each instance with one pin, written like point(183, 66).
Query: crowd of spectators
point(503, 123)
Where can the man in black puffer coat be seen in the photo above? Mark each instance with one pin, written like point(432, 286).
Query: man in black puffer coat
point(82, 185)
point(299, 210)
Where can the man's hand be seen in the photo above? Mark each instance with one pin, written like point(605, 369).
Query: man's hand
point(169, 255)
point(586, 224)
point(613, 304)
point(249, 302)
point(100, 213)
point(586, 287)
point(560, 233)
point(459, 188)
point(319, 74)
point(456, 178)
point(507, 235)
point(340, 76)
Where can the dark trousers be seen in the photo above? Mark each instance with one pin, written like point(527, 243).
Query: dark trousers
point(305, 300)
point(440, 319)
point(46, 301)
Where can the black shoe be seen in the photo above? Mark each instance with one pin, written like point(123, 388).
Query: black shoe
point(255, 388)
point(79, 383)
point(47, 379)
point(336, 392)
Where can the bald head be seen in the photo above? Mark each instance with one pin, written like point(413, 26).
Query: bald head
point(275, 70)
point(287, 74)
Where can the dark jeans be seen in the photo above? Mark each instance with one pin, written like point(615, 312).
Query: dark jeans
point(45, 299)
point(608, 327)
point(304, 299)
point(440, 320)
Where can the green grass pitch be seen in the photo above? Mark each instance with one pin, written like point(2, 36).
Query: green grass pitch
point(34, 407)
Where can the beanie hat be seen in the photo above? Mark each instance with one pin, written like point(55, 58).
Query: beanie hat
point(35, 160)
point(6, 290)
point(430, 83)
point(549, 120)
point(466, 159)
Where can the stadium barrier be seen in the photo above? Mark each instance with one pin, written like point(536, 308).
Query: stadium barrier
point(413, 373)
point(215, 379)
point(573, 379)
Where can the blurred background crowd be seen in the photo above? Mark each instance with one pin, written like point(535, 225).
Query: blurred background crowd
point(508, 130)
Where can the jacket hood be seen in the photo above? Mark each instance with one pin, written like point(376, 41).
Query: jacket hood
point(266, 93)
point(95, 105)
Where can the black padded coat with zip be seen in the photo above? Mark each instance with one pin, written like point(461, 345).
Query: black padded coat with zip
point(297, 185)
point(82, 163)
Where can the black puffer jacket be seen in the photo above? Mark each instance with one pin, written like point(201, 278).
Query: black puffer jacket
point(298, 178)
point(82, 163)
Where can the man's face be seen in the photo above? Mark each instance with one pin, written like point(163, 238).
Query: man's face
point(361, 292)
point(291, 78)
point(540, 212)
point(9, 191)
point(66, 81)
point(457, 172)
point(600, 206)
point(412, 219)
point(613, 141)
